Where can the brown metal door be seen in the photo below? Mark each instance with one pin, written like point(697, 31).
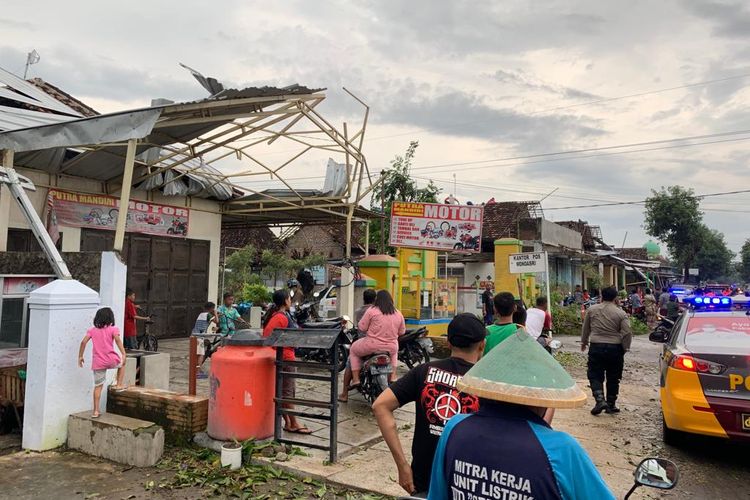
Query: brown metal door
point(168, 275)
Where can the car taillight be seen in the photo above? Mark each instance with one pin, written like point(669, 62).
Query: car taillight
point(382, 361)
point(691, 364)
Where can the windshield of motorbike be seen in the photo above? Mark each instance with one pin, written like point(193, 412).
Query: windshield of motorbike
point(729, 331)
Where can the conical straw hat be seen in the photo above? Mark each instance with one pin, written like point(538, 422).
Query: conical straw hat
point(519, 370)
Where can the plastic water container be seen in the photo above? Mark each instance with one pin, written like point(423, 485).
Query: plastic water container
point(242, 381)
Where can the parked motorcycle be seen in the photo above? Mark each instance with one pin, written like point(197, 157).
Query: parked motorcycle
point(662, 330)
point(414, 348)
point(347, 335)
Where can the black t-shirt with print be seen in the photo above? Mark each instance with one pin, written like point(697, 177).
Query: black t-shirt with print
point(433, 387)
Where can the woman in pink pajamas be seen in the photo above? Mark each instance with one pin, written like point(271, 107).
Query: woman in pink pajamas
point(383, 324)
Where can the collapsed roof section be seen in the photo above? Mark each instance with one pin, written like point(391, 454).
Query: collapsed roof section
point(180, 147)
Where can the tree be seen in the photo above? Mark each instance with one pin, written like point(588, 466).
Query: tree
point(673, 216)
point(745, 261)
point(397, 185)
point(238, 268)
point(714, 257)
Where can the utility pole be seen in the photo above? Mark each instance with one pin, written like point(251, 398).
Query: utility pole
point(382, 219)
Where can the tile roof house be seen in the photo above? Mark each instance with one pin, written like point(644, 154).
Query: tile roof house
point(328, 240)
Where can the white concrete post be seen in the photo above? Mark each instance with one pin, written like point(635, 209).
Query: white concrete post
point(112, 284)
point(61, 312)
point(113, 277)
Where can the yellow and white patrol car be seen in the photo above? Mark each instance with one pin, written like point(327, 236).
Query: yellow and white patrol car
point(705, 371)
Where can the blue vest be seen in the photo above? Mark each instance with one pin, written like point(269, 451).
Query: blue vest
point(507, 452)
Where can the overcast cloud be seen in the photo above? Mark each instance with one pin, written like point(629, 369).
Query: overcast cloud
point(471, 80)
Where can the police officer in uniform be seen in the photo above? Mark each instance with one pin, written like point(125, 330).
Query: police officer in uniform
point(607, 328)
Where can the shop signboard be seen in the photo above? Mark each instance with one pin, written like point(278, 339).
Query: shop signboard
point(435, 226)
point(529, 262)
point(95, 211)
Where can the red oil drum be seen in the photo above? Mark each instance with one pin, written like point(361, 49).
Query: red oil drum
point(240, 404)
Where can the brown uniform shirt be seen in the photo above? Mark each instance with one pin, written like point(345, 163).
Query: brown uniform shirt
point(606, 323)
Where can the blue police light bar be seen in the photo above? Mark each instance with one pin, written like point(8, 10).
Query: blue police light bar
point(711, 302)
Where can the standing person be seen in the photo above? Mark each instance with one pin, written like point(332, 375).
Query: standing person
point(663, 301)
point(277, 316)
point(504, 304)
point(432, 386)
point(578, 295)
point(228, 315)
point(607, 328)
point(103, 355)
point(635, 300)
point(487, 307)
point(538, 319)
point(506, 450)
point(131, 316)
point(368, 297)
point(204, 323)
point(651, 308)
point(383, 324)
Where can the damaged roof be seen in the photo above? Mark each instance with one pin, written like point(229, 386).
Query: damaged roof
point(501, 218)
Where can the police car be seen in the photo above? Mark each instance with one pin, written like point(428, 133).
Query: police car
point(705, 370)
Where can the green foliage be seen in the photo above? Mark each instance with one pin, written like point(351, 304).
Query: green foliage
point(397, 185)
point(745, 261)
point(638, 327)
point(672, 215)
point(238, 268)
point(714, 257)
point(593, 277)
point(257, 293)
point(275, 263)
point(201, 469)
point(566, 320)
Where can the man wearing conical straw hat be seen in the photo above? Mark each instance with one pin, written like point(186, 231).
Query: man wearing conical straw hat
point(506, 450)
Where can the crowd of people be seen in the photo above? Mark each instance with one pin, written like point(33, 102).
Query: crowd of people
point(497, 390)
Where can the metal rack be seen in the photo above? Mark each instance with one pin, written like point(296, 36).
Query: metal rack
point(308, 339)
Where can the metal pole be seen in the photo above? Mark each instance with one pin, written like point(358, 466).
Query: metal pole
point(193, 362)
point(367, 238)
point(547, 280)
point(127, 181)
point(35, 223)
point(382, 219)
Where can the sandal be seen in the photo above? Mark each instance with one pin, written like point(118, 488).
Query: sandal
point(96, 415)
point(298, 430)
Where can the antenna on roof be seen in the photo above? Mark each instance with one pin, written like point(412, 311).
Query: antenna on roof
point(31, 58)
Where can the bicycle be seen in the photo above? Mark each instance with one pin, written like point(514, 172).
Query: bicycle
point(148, 340)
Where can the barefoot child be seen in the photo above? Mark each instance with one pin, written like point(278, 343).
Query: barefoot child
point(103, 356)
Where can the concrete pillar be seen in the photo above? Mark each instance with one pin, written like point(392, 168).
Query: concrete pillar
point(112, 283)
point(5, 198)
point(61, 312)
point(504, 280)
point(346, 293)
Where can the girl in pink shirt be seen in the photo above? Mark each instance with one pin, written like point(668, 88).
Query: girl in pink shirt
point(383, 324)
point(103, 355)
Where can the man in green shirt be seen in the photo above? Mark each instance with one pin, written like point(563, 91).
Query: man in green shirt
point(503, 327)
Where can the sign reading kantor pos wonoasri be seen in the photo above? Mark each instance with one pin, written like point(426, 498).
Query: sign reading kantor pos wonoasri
point(436, 227)
point(529, 262)
point(98, 211)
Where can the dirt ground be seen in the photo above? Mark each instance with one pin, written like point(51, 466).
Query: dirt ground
point(709, 468)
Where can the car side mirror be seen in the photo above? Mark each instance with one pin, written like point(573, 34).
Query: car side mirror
point(657, 473)
point(658, 335)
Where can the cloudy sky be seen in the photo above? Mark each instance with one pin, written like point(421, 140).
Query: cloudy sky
point(476, 82)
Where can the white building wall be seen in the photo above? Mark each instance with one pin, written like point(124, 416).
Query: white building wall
point(468, 301)
point(205, 224)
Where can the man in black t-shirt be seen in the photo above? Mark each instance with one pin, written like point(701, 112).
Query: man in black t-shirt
point(432, 387)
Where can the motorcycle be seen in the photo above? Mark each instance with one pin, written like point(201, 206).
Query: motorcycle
point(662, 330)
point(414, 348)
point(178, 227)
point(347, 335)
point(374, 376)
point(653, 472)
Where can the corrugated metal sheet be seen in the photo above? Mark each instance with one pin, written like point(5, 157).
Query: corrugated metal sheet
point(44, 100)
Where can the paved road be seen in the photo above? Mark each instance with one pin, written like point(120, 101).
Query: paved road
point(709, 468)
